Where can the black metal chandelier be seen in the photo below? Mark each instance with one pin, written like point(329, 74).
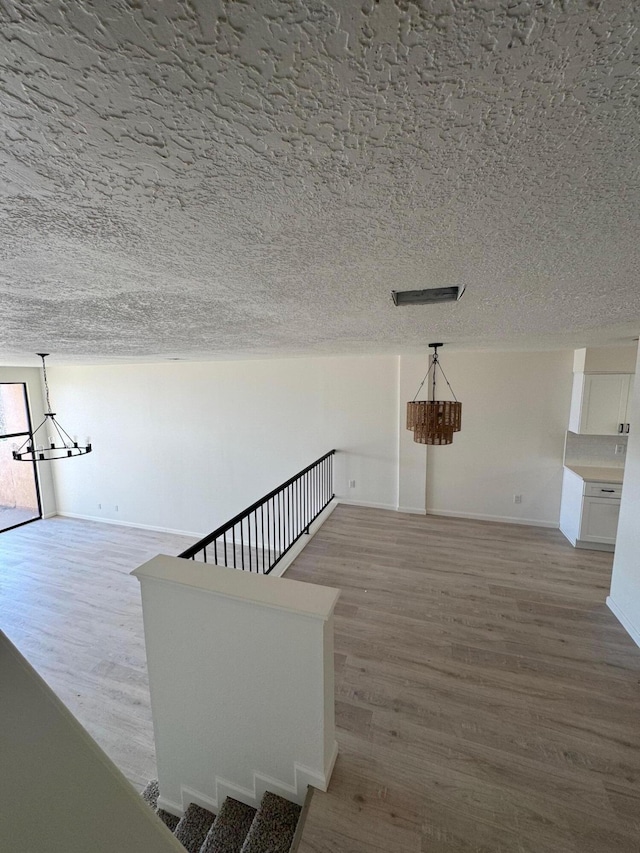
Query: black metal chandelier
point(59, 444)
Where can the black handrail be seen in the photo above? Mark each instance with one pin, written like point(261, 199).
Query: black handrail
point(263, 533)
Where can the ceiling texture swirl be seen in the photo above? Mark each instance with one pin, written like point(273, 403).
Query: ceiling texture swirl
point(204, 179)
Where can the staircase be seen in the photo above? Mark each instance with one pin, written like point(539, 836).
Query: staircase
point(237, 828)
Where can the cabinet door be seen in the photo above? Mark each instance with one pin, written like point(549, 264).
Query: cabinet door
point(599, 520)
point(604, 403)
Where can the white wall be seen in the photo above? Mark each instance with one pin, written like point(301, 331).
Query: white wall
point(624, 597)
point(58, 790)
point(605, 359)
point(185, 446)
point(515, 410)
point(33, 378)
point(412, 457)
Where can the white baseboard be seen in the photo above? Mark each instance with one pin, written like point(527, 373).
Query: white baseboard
point(131, 524)
point(223, 788)
point(568, 536)
point(624, 620)
point(503, 519)
point(368, 504)
point(332, 763)
point(594, 546)
point(412, 510)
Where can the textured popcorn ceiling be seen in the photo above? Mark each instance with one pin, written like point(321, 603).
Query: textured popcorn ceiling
point(214, 179)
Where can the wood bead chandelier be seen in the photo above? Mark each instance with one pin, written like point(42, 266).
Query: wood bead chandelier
point(434, 421)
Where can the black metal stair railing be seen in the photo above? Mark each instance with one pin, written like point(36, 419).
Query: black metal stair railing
point(257, 539)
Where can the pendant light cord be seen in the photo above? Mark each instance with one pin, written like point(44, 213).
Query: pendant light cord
point(46, 383)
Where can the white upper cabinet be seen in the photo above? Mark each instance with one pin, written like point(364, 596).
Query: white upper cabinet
point(600, 403)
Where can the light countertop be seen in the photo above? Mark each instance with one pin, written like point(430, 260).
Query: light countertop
point(592, 474)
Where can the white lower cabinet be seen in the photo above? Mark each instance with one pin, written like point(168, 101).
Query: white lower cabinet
point(589, 512)
point(599, 521)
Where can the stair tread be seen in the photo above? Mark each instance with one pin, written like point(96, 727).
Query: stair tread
point(193, 827)
point(150, 796)
point(170, 820)
point(230, 829)
point(273, 826)
point(151, 793)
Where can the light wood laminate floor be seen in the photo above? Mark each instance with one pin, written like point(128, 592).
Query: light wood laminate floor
point(69, 605)
point(487, 700)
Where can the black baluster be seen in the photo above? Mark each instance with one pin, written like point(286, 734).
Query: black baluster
point(269, 533)
point(255, 524)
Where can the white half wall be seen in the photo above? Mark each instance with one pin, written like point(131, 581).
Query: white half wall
point(185, 446)
point(624, 598)
point(515, 411)
point(241, 681)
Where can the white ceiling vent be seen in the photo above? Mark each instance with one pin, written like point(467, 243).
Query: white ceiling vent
point(431, 296)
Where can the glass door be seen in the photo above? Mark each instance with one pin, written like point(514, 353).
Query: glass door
point(19, 494)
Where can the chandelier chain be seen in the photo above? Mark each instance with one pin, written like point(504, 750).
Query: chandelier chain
point(46, 383)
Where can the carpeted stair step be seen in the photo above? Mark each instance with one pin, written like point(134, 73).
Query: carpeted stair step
point(273, 826)
point(150, 796)
point(168, 819)
point(151, 793)
point(193, 827)
point(230, 829)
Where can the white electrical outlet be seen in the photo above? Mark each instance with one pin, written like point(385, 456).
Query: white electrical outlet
point(116, 507)
point(517, 499)
point(620, 448)
point(352, 484)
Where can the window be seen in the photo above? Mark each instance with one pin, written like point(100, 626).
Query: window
point(19, 493)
